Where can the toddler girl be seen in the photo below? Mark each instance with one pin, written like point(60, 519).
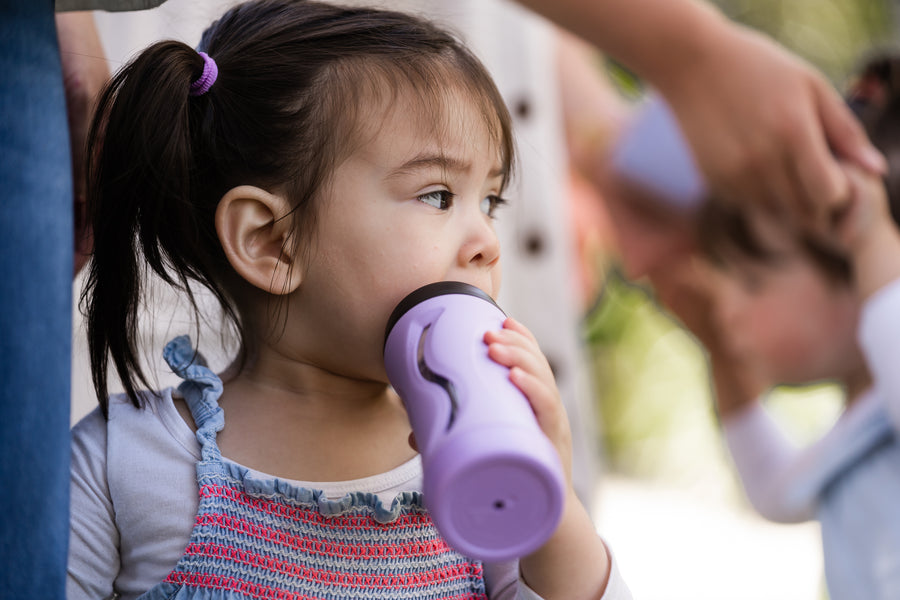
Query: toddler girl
point(310, 166)
point(793, 309)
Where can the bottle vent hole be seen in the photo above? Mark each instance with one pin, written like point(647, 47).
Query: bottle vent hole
point(499, 504)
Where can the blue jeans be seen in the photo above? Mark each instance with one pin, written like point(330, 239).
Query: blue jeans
point(36, 241)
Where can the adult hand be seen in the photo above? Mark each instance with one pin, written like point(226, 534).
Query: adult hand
point(766, 127)
point(85, 72)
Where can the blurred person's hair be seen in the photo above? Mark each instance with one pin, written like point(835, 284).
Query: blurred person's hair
point(727, 236)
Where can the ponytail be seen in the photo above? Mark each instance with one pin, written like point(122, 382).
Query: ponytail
point(145, 205)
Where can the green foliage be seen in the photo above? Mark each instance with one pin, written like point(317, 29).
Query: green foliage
point(655, 407)
point(651, 380)
point(831, 34)
point(626, 82)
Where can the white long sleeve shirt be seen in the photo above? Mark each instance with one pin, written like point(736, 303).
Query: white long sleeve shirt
point(849, 480)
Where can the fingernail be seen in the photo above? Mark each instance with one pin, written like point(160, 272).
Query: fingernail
point(874, 160)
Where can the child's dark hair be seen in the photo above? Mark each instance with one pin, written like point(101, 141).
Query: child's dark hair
point(726, 233)
point(874, 97)
point(294, 80)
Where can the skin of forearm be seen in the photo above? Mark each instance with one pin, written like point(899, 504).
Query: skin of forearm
point(593, 112)
point(79, 43)
point(732, 394)
point(574, 563)
point(634, 31)
point(85, 72)
point(877, 260)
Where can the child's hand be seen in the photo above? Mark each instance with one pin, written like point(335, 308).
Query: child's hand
point(515, 347)
point(687, 289)
point(866, 230)
point(866, 214)
point(574, 562)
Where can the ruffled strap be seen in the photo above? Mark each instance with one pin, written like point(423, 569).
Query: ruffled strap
point(201, 389)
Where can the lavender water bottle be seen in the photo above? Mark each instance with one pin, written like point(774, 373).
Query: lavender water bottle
point(493, 481)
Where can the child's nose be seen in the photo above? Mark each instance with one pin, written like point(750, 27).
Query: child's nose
point(481, 247)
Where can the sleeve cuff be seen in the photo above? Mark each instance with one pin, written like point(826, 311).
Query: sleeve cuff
point(878, 318)
point(616, 589)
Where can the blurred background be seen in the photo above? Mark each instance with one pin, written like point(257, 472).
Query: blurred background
point(664, 493)
point(669, 501)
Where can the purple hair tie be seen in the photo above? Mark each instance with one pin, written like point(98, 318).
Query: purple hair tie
point(207, 77)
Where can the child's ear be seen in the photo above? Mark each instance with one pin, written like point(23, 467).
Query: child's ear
point(255, 230)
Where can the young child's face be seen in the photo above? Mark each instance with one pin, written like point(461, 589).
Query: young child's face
point(411, 205)
point(784, 315)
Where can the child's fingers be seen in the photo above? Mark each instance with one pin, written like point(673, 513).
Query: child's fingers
point(549, 412)
point(514, 334)
point(513, 331)
point(511, 354)
point(543, 400)
point(511, 324)
point(515, 347)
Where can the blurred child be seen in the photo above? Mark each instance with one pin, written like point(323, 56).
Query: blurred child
point(790, 308)
point(311, 167)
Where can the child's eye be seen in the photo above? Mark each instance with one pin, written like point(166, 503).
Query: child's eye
point(440, 199)
point(489, 204)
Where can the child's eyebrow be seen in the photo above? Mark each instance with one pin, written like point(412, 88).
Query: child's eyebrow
point(441, 161)
point(428, 161)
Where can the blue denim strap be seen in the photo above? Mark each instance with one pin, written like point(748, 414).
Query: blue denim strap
point(201, 389)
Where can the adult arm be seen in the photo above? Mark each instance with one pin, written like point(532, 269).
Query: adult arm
point(85, 72)
point(715, 74)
